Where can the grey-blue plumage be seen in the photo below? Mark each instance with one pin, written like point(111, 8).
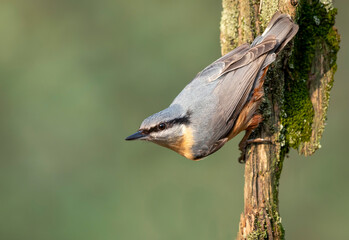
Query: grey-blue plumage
point(213, 101)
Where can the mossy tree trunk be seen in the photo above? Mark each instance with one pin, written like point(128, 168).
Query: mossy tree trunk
point(297, 91)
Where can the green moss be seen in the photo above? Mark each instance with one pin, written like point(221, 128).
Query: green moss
point(261, 227)
point(257, 235)
point(315, 22)
point(277, 226)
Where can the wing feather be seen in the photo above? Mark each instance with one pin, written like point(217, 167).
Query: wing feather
point(236, 84)
point(255, 52)
point(216, 69)
point(238, 79)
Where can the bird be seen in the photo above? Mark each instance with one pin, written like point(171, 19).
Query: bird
point(222, 100)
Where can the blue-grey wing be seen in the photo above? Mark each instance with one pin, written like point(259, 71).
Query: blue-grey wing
point(239, 79)
point(236, 86)
point(205, 81)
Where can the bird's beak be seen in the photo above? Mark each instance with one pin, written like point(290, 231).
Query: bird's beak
point(135, 136)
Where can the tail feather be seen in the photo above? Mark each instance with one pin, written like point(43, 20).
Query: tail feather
point(282, 27)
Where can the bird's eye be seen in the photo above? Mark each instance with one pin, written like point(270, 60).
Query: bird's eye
point(162, 126)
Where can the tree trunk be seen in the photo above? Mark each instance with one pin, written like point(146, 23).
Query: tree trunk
point(297, 90)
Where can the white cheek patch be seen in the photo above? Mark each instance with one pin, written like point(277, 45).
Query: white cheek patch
point(162, 133)
point(169, 133)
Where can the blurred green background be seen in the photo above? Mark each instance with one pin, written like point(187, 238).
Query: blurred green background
point(77, 77)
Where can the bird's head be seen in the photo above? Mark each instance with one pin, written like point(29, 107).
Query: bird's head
point(169, 128)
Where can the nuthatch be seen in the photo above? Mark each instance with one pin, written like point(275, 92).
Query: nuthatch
point(222, 100)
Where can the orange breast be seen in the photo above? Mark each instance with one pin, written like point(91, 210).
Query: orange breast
point(184, 144)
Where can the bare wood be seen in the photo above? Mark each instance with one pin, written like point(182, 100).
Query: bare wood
point(241, 22)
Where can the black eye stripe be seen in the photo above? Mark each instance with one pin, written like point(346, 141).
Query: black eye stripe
point(168, 124)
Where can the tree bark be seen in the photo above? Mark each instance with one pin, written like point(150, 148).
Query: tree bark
point(297, 89)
